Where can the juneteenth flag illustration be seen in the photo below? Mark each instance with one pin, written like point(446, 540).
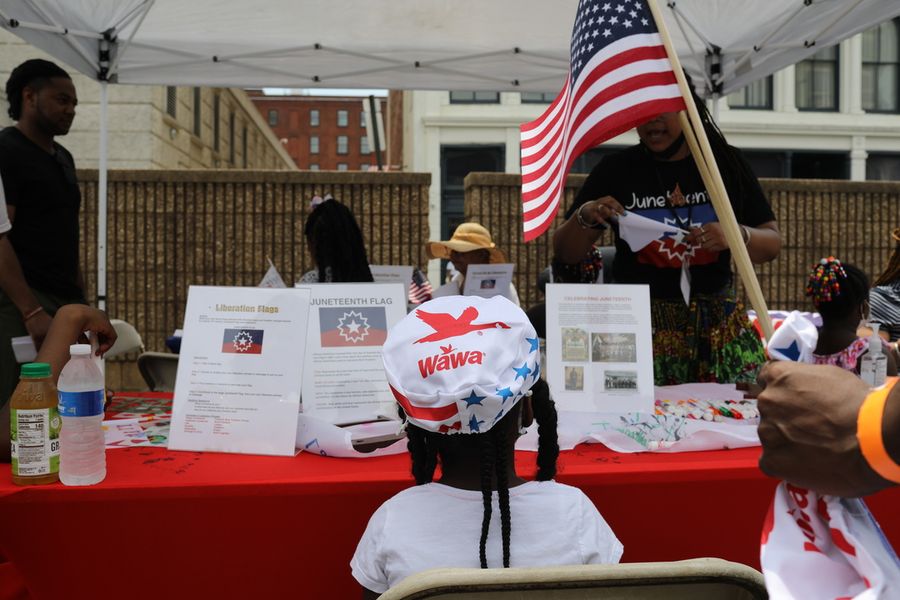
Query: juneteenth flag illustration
point(242, 341)
point(352, 326)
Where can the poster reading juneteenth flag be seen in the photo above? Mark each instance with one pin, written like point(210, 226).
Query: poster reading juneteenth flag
point(352, 326)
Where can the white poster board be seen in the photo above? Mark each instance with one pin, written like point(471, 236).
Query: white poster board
point(343, 374)
point(238, 382)
point(393, 274)
point(599, 347)
point(489, 280)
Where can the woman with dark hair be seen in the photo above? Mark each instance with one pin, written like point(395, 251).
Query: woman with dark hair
point(466, 373)
point(335, 243)
point(884, 297)
point(710, 338)
point(840, 293)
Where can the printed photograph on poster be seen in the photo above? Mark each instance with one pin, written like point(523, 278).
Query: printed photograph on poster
point(489, 280)
point(575, 378)
point(599, 347)
point(343, 374)
point(238, 383)
point(574, 344)
point(620, 380)
point(613, 347)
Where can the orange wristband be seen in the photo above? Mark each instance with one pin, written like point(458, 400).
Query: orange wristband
point(869, 433)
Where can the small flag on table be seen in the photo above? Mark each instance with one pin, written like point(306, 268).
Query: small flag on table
point(619, 77)
point(420, 289)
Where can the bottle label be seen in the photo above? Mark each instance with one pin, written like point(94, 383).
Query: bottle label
point(81, 404)
point(34, 436)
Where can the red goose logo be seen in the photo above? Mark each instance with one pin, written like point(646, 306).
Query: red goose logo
point(446, 326)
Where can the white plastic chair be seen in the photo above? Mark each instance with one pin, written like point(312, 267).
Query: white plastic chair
point(128, 340)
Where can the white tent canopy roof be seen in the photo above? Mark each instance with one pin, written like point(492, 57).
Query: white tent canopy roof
point(518, 45)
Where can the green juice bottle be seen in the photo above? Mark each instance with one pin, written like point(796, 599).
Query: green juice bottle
point(34, 427)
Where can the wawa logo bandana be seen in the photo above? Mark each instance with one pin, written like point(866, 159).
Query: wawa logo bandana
point(459, 363)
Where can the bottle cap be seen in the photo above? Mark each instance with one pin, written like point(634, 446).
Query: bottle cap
point(35, 370)
point(80, 349)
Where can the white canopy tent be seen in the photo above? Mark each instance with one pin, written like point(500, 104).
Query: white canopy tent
point(505, 45)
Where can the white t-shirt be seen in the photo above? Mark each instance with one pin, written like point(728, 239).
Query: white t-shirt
point(5, 225)
point(434, 525)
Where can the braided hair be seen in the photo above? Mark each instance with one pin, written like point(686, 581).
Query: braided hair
point(837, 289)
point(34, 73)
point(337, 243)
point(891, 273)
point(428, 448)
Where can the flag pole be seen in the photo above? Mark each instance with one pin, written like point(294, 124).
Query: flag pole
point(695, 135)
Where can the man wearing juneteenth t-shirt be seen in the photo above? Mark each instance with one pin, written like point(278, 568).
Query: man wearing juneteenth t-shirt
point(39, 270)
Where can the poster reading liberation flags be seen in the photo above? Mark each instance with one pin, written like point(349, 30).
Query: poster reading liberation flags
point(238, 383)
point(343, 374)
point(599, 349)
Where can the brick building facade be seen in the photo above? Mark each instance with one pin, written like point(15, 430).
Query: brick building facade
point(321, 132)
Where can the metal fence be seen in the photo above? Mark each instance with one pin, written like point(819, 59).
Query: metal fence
point(168, 230)
point(848, 219)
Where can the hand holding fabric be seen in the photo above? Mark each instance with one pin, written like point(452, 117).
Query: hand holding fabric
point(708, 236)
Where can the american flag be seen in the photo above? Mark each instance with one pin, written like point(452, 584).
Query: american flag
point(619, 77)
point(420, 288)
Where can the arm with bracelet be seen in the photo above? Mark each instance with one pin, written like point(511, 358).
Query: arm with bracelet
point(822, 428)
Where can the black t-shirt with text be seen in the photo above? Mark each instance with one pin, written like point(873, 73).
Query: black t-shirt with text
point(643, 185)
point(45, 193)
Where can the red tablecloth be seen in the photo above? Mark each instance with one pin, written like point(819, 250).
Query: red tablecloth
point(186, 524)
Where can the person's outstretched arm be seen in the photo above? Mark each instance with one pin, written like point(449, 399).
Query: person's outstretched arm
point(69, 324)
point(808, 429)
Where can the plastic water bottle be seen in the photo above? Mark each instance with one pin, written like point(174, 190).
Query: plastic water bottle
point(82, 456)
point(873, 364)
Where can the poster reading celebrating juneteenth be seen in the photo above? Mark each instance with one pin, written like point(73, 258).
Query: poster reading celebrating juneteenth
point(343, 374)
point(239, 376)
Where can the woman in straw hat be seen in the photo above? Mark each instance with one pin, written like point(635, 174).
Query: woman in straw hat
point(884, 298)
point(470, 244)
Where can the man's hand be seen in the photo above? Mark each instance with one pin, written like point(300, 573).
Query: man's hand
point(37, 327)
point(808, 429)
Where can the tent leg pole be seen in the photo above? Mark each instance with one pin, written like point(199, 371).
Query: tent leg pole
point(101, 196)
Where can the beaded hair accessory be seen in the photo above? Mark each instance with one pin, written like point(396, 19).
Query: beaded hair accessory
point(824, 282)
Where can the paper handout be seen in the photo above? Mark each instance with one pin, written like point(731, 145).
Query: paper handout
point(239, 370)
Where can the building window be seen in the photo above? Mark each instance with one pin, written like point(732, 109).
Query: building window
point(883, 166)
point(364, 167)
point(313, 167)
point(342, 118)
point(273, 117)
point(362, 119)
point(881, 68)
point(342, 166)
point(364, 145)
point(313, 144)
point(314, 118)
point(757, 95)
point(198, 105)
point(231, 149)
point(217, 107)
point(244, 147)
point(817, 81)
point(171, 100)
point(474, 97)
point(537, 97)
point(342, 147)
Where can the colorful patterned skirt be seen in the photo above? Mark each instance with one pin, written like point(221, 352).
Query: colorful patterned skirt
point(710, 340)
